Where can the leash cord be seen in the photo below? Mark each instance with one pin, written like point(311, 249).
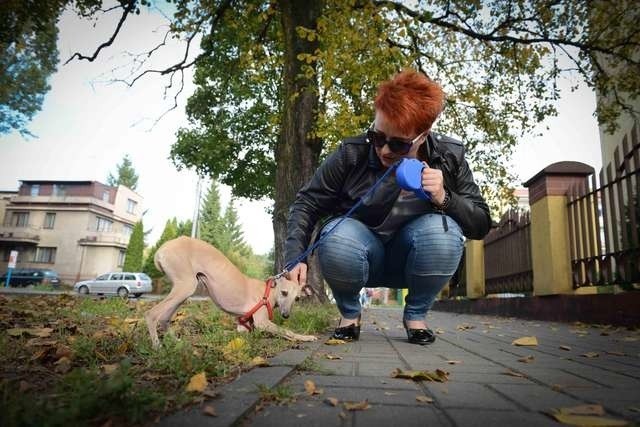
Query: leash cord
point(289, 266)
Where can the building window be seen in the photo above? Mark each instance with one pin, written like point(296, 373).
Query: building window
point(127, 230)
point(35, 189)
point(58, 190)
point(131, 206)
point(121, 257)
point(103, 224)
point(105, 196)
point(20, 219)
point(49, 220)
point(46, 255)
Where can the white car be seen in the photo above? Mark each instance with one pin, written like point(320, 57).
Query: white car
point(118, 283)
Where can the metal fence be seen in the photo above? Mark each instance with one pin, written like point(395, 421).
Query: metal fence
point(507, 255)
point(604, 221)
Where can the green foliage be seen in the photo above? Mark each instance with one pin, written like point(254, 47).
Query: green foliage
point(133, 258)
point(169, 232)
point(29, 55)
point(210, 225)
point(126, 175)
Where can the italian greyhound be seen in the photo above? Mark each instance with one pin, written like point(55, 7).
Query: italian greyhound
point(187, 261)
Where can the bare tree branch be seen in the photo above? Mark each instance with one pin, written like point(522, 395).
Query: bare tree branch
point(126, 10)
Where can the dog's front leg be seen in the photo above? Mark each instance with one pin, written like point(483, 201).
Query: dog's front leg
point(267, 325)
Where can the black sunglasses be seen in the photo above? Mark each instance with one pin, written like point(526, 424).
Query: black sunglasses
point(396, 145)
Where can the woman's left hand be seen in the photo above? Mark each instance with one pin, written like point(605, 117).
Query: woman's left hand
point(433, 182)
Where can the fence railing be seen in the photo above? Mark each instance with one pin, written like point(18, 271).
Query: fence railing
point(507, 255)
point(604, 220)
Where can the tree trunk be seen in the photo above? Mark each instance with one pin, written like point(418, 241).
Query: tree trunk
point(297, 154)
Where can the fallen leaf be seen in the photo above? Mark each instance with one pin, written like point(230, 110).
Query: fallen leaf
point(454, 362)
point(424, 399)
point(40, 354)
point(464, 327)
point(590, 354)
point(210, 393)
point(334, 341)
point(209, 410)
point(110, 369)
point(259, 361)
point(582, 410)
point(526, 359)
point(633, 409)
point(332, 357)
point(437, 375)
point(63, 365)
point(525, 341)
point(439, 331)
point(615, 353)
point(235, 349)
point(389, 393)
point(565, 347)
point(331, 401)
point(197, 383)
point(342, 415)
point(587, 420)
point(514, 373)
point(630, 339)
point(310, 388)
point(357, 406)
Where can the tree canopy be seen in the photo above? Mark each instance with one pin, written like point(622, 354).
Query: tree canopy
point(125, 175)
point(134, 256)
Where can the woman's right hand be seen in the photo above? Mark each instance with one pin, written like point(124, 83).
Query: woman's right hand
point(299, 274)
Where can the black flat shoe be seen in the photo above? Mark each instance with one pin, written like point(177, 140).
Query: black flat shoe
point(419, 336)
point(348, 333)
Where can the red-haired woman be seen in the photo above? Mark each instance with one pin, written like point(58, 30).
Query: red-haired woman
point(395, 239)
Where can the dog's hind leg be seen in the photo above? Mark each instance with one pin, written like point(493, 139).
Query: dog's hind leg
point(160, 315)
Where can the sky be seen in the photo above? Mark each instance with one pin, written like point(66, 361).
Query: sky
point(88, 123)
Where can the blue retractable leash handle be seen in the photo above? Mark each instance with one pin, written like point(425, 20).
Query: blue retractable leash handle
point(408, 177)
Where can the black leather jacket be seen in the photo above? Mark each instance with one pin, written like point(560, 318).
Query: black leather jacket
point(348, 173)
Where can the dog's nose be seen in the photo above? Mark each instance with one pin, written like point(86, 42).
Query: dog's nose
point(285, 315)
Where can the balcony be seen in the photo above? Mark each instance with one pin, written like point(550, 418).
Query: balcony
point(28, 234)
point(104, 238)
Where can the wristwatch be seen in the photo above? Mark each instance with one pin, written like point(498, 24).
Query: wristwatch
point(445, 202)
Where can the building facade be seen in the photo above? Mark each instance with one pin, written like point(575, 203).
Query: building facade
point(78, 228)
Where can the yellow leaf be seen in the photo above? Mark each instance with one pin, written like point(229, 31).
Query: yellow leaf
point(197, 383)
point(259, 361)
point(235, 349)
point(424, 399)
point(590, 355)
point(565, 347)
point(334, 341)
point(209, 410)
point(332, 357)
point(525, 341)
point(331, 401)
point(310, 388)
point(582, 410)
point(357, 406)
point(110, 369)
point(438, 375)
point(588, 420)
point(514, 373)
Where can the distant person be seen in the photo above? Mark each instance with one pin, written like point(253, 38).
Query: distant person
point(394, 239)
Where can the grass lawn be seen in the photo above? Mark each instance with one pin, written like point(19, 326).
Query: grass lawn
point(67, 360)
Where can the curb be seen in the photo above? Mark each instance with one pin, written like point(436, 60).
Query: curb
point(238, 398)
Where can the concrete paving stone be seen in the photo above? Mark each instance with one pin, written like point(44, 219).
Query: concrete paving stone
point(319, 415)
point(534, 397)
point(336, 367)
point(556, 377)
point(377, 396)
point(499, 378)
point(377, 369)
point(383, 382)
point(484, 418)
point(386, 415)
point(235, 399)
point(618, 400)
point(468, 395)
point(289, 358)
point(604, 377)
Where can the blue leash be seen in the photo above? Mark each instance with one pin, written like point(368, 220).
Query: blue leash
point(289, 266)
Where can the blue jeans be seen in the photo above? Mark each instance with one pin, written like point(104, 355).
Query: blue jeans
point(421, 256)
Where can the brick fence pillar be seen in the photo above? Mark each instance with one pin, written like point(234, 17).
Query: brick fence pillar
point(550, 250)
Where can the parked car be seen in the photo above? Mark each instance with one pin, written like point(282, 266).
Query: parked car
point(119, 283)
point(32, 276)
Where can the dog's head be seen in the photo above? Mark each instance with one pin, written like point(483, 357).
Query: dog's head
point(287, 292)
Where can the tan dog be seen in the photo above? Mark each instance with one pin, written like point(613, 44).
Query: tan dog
point(187, 262)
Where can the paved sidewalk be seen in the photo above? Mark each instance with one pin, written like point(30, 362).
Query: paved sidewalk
point(487, 385)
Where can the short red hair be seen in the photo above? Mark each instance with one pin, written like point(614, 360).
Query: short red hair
point(411, 101)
